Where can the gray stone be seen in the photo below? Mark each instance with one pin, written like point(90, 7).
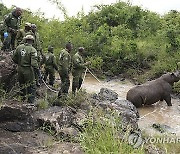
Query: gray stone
point(17, 117)
point(107, 95)
point(55, 117)
point(13, 149)
point(7, 71)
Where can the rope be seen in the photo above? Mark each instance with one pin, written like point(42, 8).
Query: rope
point(55, 91)
point(87, 69)
point(85, 75)
point(94, 75)
point(147, 114)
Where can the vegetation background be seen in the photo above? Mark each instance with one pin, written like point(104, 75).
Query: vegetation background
point(118, 38)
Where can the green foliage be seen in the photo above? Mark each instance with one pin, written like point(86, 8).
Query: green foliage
point(96, 63)
point(73, 100)
point(101, 136)
point(42, 104)
point(118, 38)
point(47, 128)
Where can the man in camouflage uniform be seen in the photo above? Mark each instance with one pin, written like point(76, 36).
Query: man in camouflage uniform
point(2, 31)
point(25, 56)
point(64, 67)
point(37, 46)
point(37, 43)
point(23, 32)
point(78, 68)
point(50, 66)
point(11, 26)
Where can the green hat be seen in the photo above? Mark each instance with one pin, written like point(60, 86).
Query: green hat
point(50, 48)
point(29, 37)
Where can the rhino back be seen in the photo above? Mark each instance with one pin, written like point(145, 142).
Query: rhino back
point(149, 92)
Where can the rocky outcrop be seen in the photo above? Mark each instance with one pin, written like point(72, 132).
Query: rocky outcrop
point(7, 71)
point(125, 110)
point(16, 117)
point(22, 129)
point(19, 123)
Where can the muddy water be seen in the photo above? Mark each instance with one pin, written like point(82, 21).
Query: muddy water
point(157, 113)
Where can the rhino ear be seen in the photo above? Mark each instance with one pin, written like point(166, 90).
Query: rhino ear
point(177, 74)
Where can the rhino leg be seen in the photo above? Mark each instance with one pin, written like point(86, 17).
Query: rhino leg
point(137, 102)
point(168, 100)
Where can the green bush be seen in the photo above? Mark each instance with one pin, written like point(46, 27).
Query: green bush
point(101, 136)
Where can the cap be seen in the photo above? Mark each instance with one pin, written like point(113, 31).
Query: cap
point(28, 24)
point(29, 37)
point(50, 48)
point(81, 49)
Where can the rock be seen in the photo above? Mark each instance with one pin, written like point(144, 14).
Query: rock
point(13, 149)
point(17, 117)
point(125, 110)
point(178, 107)
point(66, 148)
point(69, 134)
point(25, 142)
point(152, 149)
point(127, 105)
point(107, 95)
point(55, 117)
point(7, 71)
point(162, 128)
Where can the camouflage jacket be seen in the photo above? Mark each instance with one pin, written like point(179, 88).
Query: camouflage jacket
point(37, 43)
point(64, 62)
point(78, 62)
point(21, 34)
point(50, 61)
point(25, 56)
point(12, 22)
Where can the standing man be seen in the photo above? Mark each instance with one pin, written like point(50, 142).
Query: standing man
point(64, 65)
point(23, 32)
point(50, 66)
point(37, 43)
point(25, 56)
point(78, 68)
point(37, 46)
point(2, 31)
point(11, 26)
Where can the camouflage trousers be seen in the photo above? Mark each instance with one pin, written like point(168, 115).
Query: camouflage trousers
point(27, 83)
point(65, 83)
point(77, 81)
point(51, 73)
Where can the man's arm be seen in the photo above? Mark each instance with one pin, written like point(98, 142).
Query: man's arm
point(15, 56)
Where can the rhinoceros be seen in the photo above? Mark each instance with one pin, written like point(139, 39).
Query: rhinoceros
point(153, 91)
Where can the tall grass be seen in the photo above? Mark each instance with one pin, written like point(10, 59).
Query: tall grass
point(102, 137)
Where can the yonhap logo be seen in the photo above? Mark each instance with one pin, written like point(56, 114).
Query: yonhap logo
point(136, 140)
point(162, 139)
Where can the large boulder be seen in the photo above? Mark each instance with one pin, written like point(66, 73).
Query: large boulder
point(106, 94)
point(56, 117)
point(7, 71)
point(125, 110)
point(17, 117)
